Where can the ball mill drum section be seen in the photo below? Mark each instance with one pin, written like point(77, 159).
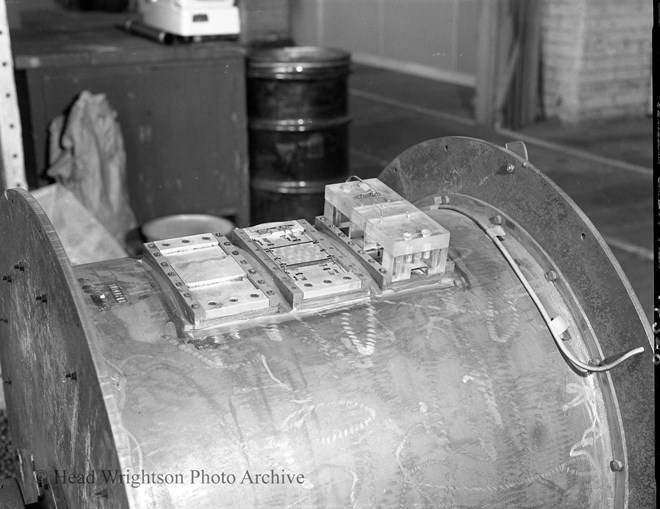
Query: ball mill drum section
point(453, 334)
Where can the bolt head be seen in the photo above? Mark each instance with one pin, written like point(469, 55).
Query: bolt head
point(497, 219)
point(616, 465)
point(551, 275)
point(510, 168)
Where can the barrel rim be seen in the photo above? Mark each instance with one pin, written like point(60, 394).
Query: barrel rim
point(298, 124)
point(291, 186)
point(307, 56)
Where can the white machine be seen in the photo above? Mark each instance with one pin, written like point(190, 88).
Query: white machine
point(191, 17)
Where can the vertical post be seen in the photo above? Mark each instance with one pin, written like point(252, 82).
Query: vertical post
point(487, 62)
point(12, 165)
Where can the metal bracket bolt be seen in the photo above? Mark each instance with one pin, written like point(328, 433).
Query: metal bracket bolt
point(616, 465)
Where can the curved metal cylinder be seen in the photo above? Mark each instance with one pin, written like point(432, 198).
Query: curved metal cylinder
point(451, 394)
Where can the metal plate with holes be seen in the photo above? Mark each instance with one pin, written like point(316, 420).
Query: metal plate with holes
point(303, 260)
point(323, 279)
point(207, 280)
point(229, 298)
point(301, 253)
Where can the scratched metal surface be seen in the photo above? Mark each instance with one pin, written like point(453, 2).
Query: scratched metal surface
point(455, 398)
point(55, 391)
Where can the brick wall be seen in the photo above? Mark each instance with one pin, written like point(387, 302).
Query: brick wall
point(596, 58)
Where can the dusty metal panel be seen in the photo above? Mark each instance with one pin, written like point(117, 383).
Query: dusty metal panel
point(59, 399)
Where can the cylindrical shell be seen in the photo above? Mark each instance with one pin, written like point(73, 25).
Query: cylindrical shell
point(449, 395)
point(455, 395)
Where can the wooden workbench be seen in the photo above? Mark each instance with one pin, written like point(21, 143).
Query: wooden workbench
point(181, 108)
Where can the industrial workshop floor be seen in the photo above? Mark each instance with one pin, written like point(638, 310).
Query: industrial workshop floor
point(605, 167)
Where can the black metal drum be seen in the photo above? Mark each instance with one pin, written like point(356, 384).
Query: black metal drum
point(298, 118)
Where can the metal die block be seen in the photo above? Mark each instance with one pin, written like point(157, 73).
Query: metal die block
point(324, 279)
point(176, 245)
point(409, 241)
point(208, 277)
point(300, 254)
point(377, 212)
point(308, 267)
point(205, 267)
point(229, 298)
point(382, 277)
point(279, 234)
point(348, 196)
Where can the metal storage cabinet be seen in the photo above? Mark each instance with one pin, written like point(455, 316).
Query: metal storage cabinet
point(181, 109)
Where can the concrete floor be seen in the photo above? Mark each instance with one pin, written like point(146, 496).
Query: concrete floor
point(604, 167)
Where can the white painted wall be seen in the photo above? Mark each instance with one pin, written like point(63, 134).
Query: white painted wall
point(433, 38)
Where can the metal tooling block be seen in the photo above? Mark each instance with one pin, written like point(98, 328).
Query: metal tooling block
point(208, 280)
point(342, 200)
point(379, 219)
point(409, 241)
point(302, 256)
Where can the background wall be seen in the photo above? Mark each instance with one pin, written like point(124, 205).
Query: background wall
point(597, 58)
point(432, 38)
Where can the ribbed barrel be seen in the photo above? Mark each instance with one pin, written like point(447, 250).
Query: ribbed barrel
point(298, 110)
